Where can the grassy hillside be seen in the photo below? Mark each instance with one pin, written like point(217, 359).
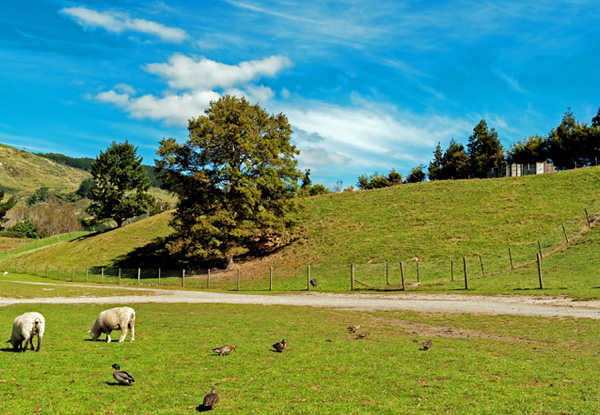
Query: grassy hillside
point(22, 172)
point(431, 221)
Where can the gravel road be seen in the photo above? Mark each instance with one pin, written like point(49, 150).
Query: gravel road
point(539, 306)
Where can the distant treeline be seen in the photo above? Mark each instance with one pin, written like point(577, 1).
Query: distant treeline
point(571, 144)
point(85, 163)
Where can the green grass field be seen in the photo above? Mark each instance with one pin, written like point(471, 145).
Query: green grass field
point(478, 364)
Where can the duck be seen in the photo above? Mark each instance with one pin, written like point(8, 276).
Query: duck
point(427, 345)
point(211, 399)
point(280, 346)
point(313, 282)
point(121, 376)
point(362, 335)
point(224, 349)
point(352, 329)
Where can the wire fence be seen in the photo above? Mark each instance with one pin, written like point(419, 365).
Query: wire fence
point(389, 275)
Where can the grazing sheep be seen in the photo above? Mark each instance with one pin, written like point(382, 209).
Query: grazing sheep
point(25, 327)
point(118, 318)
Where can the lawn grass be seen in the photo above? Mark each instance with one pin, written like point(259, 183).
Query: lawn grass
point(478, 364)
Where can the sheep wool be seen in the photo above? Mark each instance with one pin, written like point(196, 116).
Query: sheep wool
point(25, 327)
point(118, 318)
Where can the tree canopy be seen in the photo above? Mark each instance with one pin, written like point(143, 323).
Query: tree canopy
point(5, 207)
point(120, 185)
point(236, 179)
point(484, 150)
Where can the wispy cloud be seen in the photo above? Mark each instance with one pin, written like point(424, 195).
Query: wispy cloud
point(117, 22)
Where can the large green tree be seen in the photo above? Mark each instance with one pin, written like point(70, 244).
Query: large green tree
point(569, 145)
point(531, 150)
point(5, 207)
point(120, 185)
point(236, 178)
point(484, 150)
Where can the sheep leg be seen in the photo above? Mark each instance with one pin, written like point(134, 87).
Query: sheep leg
point(132, 330)
point(123, 333)
point(39, 343)
point(108, 336)
point(24, 349)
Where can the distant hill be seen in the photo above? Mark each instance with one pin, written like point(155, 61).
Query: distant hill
point(22, 173)
point(85, 163)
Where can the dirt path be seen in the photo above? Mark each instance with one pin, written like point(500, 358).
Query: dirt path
point(438, 303)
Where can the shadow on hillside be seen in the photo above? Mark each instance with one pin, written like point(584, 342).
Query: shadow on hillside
point(152, 255)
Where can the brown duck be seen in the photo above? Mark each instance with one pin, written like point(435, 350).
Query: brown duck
point(224, 349)
point(280, 346)
point(427, 345)
point(211, 399)
point(362, 335)
point(352, 329)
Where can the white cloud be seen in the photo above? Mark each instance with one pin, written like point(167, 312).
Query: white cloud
point(116, 22)
point(202, 81)
point(183, 72)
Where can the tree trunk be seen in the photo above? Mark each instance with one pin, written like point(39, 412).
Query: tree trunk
point(229, 262)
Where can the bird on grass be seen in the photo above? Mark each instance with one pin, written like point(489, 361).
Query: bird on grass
point(121, 376)
point(280, 346)
point(362, 335)
point(224, 349)
point(313, 282)
point(211, 399)
point(427, 345)
point(352, 329)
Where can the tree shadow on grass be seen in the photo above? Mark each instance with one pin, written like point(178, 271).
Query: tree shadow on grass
point(152, 255)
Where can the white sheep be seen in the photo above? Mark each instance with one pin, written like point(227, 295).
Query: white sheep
point(25, 327)
point(118, 318)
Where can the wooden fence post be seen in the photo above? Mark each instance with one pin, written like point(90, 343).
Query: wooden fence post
point(466, 278)
point(402, 275)
point(102, 276)
point(565, 232)
point(308, 278)
point(351, 277)
point(511, 260)
point(539, 264)
point(481, 263)
point(588, 218)
point(387, 273)
point(183, 278)
point(451, 270)
point(271, 279)
point(238, 278)
point(208, 280)
point(139, 276)
point(159, 277)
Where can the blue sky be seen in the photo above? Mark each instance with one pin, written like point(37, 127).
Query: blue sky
point(367, 86)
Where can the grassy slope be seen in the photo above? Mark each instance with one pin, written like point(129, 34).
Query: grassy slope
point(24, 172)
point(432, 221)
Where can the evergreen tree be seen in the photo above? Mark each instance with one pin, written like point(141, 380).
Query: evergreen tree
point(531, 150)
point(5, 207)
point(120, 185)
point(484, 150)
point(236, 179)
point(455, 163)
point(435, 167)
point(416, 175)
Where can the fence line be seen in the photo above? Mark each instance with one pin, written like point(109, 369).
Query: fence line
point(400, 275)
